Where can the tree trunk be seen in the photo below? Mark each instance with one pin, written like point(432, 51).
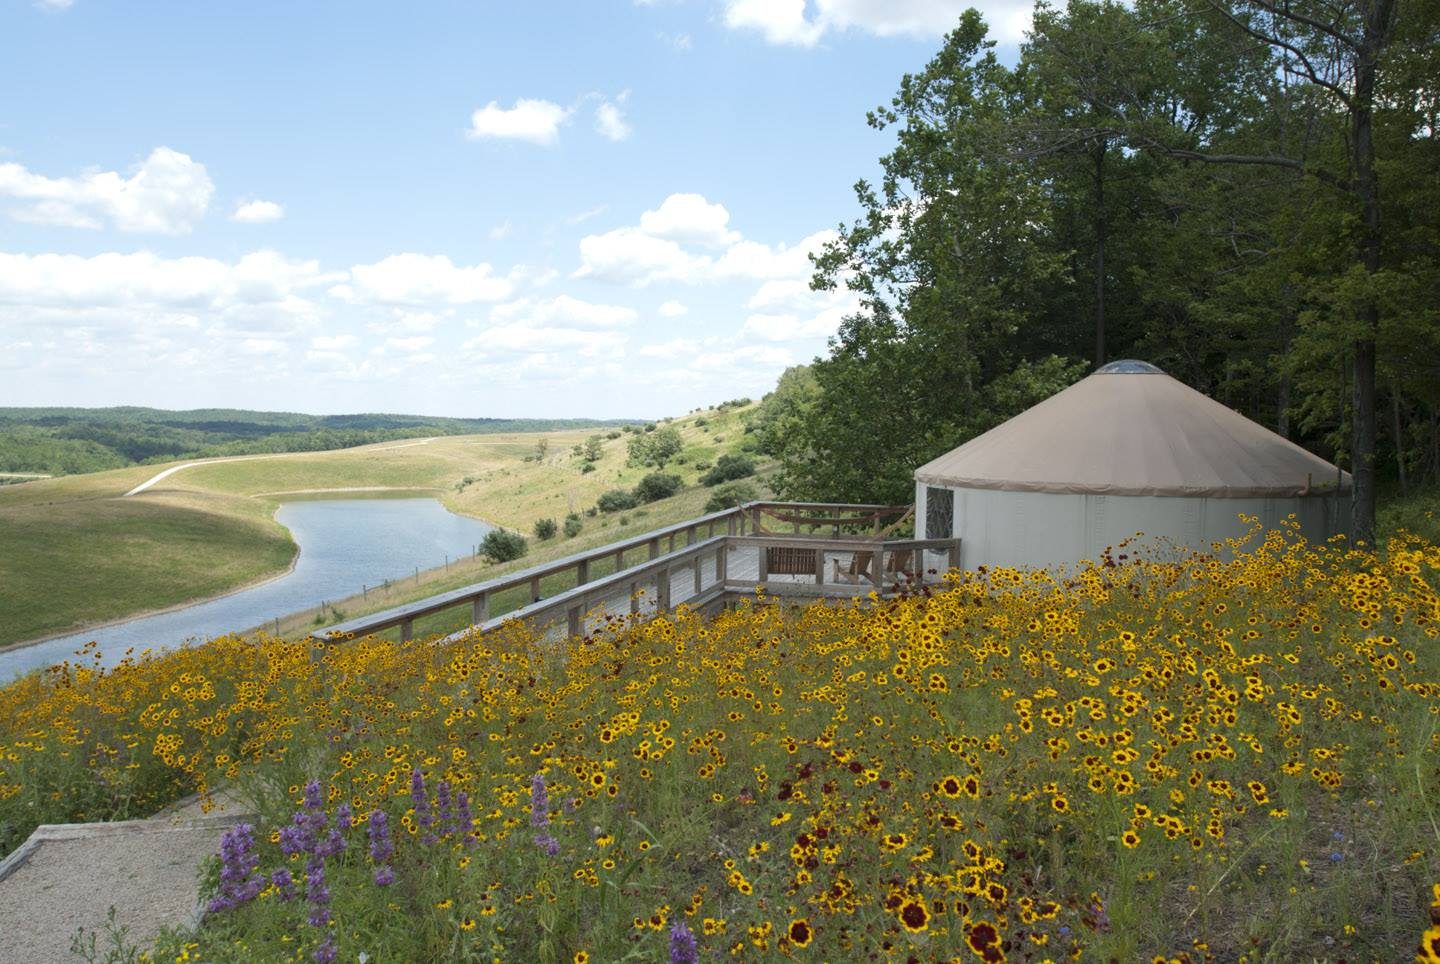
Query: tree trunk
point(1377, 15)
point(1100, 231)
point(1399, 440)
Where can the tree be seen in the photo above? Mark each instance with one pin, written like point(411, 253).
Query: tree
point(656, 448)
point(593, 448)
point(657, 486)
point(501, 545)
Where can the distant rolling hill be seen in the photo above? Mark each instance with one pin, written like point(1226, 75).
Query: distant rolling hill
point(67, 441)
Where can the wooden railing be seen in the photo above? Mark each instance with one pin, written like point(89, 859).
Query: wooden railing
point(669, 551)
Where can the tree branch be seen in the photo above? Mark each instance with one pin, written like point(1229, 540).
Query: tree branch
point(1308, 69)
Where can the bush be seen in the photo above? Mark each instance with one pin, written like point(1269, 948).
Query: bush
point(573, 525)
point(656, 486)
point(544, 529)
point(727, 468)
point(587, 467)
point(616, 500)
point(501, 545)
point(731, 494)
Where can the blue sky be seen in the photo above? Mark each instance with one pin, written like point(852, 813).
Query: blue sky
point(595, 208)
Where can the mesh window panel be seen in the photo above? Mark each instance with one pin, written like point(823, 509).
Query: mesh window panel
point(939, 513)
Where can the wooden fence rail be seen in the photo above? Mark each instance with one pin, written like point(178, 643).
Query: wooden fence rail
point(670, 551)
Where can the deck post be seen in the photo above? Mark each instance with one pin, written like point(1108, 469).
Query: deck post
point(722, 556)
point(655, 548)
point(690, 536)
point(730, 525)
point(755, 521)
point(534, 588)
point(480, 609)
point(819, 567)
point(955, 554)
point(763, 564)
point(662, 590)
point(407, 630)
point(698, 562)
point(582, 571)
point(877, 567)
point(634, 596)
point(576, 613)
point(620, 560)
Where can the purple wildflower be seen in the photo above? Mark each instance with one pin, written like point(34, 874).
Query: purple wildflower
point(313, 799)
point(420, 799)
point(239, 884)
point(547, 843)
point(539, 802)
point(381, 846)
point(284, 882)
point(317, 893)
point(463, 819)
point(682, 945)
point(325, 953)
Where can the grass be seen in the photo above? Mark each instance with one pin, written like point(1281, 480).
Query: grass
point(74, 553)
point(1196, 759)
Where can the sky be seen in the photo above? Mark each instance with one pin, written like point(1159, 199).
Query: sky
point(600, 208)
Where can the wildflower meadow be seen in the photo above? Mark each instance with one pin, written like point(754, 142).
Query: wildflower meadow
point(1160, 755)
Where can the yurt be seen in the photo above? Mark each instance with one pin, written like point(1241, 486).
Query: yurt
point(1128, 449)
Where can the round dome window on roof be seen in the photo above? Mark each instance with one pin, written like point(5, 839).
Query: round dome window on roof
point(1128, 366)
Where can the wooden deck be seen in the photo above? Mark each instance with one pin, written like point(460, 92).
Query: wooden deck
point(845, 553)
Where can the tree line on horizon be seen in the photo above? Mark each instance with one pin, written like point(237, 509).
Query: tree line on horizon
point(1243, 192)
point(66, 441)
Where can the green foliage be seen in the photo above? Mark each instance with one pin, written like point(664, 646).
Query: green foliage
point(657, 486)
point(731, 494)
point(616, 500)
point(656, 448)
point(573, 525)
point(594, 448)
point(502, 545)
point(728, 468)
point(544, 529)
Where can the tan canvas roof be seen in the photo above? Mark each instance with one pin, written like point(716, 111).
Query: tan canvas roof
point(1130, 429)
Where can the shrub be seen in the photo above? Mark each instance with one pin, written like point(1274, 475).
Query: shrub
point(731, 494)
point(616, 500)
point(501, 545)
point(573, 525)
point(544, 529)
point(728, 468)
point(587, 467)
point(656, 486)
point(615, 434)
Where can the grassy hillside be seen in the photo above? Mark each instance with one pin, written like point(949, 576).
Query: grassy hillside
point(74, 552)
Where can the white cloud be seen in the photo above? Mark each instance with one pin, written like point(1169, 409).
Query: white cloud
point(331, 343)
point(675, 348)
point(408, 345)
point(167, 193)
point(610, 118)
point(145, 279)
point(419, 279)
point(563, 310)
point(787, 310)
point(257, 212)
point(690, 218)
point(673, 309)
point(630, 255)
point(586, 215)
point(537, 121)
point(504, 340)
point(501, 231)
point(54, 4)
point(787, 22)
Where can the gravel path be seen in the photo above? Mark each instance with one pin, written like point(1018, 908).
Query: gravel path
point(68, 876)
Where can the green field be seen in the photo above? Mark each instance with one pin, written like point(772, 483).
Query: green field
point(75, 552)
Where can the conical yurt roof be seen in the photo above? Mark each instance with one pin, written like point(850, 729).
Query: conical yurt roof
point(1130, 429)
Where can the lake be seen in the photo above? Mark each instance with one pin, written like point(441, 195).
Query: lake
point(344, 544)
